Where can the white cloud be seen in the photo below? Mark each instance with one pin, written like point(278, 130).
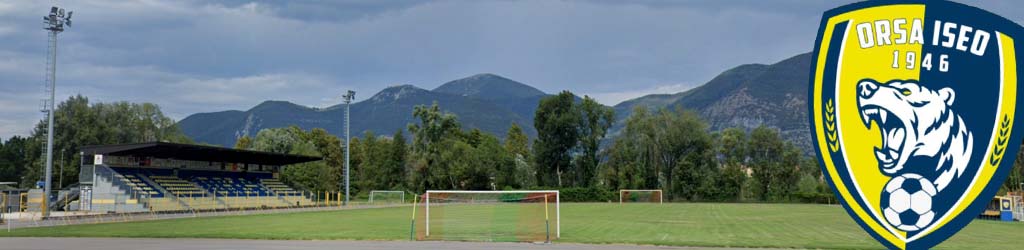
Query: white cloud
point(20, 112)
point(248, 89)
point(613, 98)
point(194, 56)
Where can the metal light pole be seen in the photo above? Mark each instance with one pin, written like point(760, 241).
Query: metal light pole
point(348, 102)
point(55, 22)
point(60, 176)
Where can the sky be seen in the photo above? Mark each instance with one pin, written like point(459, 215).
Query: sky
point(206, 56)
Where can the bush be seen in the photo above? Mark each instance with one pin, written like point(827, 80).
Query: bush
point(589, 194)
point(815, 197)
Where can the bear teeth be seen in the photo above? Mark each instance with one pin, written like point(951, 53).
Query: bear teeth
point(880, 155)
point(866, 115)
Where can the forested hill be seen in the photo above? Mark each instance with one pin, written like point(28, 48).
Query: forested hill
point(746, 96)
point(488, 102)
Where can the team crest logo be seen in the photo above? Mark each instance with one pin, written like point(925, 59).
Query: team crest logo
point(913, 109)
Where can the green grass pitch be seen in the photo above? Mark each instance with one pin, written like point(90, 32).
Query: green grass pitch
point(679, 224)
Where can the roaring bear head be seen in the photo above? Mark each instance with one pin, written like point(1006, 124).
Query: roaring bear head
point(916, 121)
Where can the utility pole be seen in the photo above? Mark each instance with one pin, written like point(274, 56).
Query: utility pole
point(55, 22)
point(348, 102)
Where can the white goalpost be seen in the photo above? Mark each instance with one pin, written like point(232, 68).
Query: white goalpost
point(490, 215)
point(384, 195)
point(640, 195)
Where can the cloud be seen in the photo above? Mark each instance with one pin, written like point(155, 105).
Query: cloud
point(194, 56)
point(232, 91)
point(612, 98)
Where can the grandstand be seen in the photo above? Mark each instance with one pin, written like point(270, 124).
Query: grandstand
point(168, 177)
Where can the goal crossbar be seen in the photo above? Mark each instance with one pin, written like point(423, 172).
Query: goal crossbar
point(373, 192)
point(623, 191)
point(558, 211)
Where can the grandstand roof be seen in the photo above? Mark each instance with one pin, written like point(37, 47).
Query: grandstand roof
point(164, 150)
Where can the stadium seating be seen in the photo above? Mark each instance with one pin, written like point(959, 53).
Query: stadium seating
point(230, 186)
point(180, 190)
point(177, 186)
point(288, 194)
point(137, 177)
point(279, 188)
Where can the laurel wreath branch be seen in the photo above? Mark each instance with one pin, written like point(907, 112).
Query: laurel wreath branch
point(831, 135)
point(1004, 137)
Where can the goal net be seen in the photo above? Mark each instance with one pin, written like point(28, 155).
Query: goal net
point(640, 195)
point(510, 216)
point(386, 197)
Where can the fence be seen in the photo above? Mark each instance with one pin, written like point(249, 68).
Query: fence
point(1018, 208)
point(111, 196)
point(32, 219)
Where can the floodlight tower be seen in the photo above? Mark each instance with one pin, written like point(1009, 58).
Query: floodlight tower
point(348, 102)
point(54, 22)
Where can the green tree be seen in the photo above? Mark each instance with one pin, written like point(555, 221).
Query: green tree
point(775, 164)
point(314, 176)
point(491, 156)
point(556, 121)
point(308, 176)
point(685, 154)
point(670, 150)
point(276, 140)
point(12, 159)
point(516, 141)
point(475, 167)
point(78, 123)
point(518, 147)
point(595, 119)
point(1015, 180)
point(434, 134)
point(368, 167)
point(731, 182)
point(329, 147)
point(732, 154)
point(245, 142)
point(395, 170)
point(629, 163)
point(732, 146)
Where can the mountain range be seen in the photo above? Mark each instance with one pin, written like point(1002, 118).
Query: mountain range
point(745, 96)
point(485, 101)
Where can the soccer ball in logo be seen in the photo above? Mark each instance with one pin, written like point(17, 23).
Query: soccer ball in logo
point(907, 202)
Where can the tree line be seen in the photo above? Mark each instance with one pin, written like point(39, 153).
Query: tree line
point(668, 149)
point(77, 123)
point(673, 150)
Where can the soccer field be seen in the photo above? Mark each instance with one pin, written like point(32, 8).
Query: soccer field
point(677, 224)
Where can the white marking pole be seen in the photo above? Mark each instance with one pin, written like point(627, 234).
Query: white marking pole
point(427, 215)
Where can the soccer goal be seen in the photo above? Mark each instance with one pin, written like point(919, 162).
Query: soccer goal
point(510, 216)
point(640, 195)
point(386, 196)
